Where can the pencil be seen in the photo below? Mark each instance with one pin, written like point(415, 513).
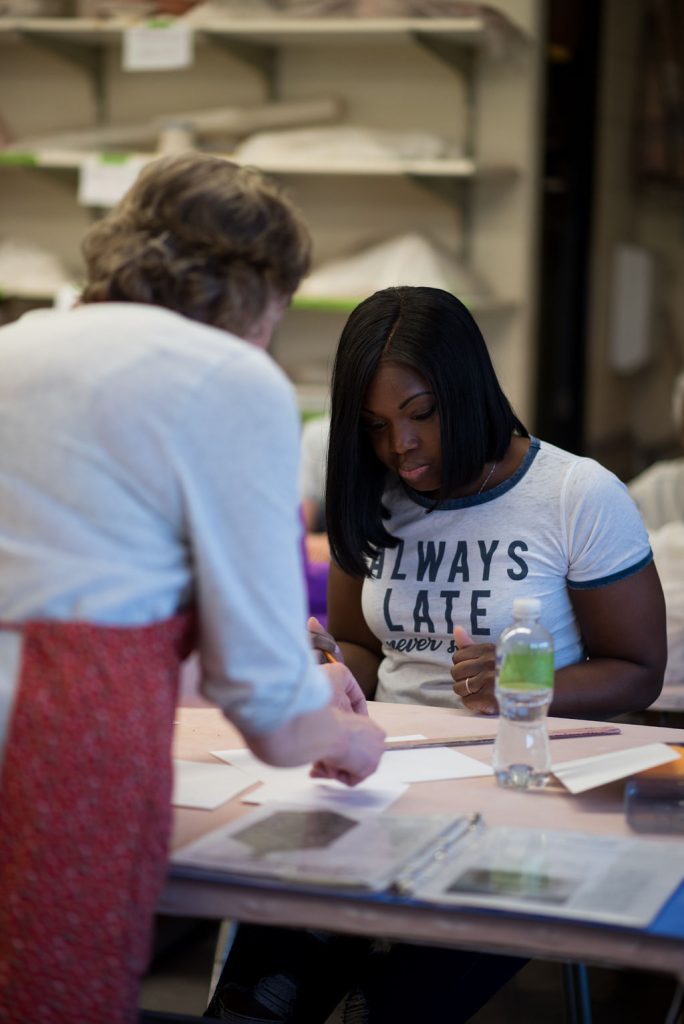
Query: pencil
point(330, 657)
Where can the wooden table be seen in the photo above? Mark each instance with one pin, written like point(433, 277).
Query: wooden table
point(200, 730)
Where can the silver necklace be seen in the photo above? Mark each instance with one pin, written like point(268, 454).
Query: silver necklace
point(487, 478)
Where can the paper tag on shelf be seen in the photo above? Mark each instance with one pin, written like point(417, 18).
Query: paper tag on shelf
point(159, 45)
point(105, 178)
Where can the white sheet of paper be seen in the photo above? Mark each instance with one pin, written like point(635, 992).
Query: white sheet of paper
point(259, 771)
point(198, 784)
point(428, 764)
point(295, 785)
point(588, 772)
point(401, 739)
point(396, 766)
point(327, 794)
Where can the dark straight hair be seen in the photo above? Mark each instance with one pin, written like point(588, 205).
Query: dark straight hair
point(432, 332)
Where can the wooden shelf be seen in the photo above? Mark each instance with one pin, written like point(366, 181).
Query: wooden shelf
point(270, 31)
point(461, 167)
point(447, 168)
point(476, 303)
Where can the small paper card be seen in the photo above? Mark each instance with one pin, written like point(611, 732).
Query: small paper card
point(104, 178)
point(159, 45)
point(206, 786)
point(589, 772)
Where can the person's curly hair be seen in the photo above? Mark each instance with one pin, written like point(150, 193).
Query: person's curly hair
point(200, 235)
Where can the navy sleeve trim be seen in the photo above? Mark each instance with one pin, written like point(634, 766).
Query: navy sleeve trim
point(615, 578)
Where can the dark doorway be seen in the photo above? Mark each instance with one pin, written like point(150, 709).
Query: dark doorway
point(571, 89)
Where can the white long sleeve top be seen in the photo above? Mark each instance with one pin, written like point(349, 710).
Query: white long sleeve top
point(148, 463)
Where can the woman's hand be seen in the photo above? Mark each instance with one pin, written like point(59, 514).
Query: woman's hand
point(347, 694)
point(322, 641)
point(340, 745)
point(474, 673)
point(363, 744)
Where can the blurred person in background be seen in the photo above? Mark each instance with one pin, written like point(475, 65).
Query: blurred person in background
point(659, 494)
point(659, 490)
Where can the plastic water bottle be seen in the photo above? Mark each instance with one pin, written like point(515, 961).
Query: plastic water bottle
point(524, 688)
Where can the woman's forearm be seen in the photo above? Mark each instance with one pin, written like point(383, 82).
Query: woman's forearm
point(302, 740)
point(604, 687)
point(342, 745)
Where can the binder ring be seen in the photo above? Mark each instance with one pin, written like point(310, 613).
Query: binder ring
point(468, 690)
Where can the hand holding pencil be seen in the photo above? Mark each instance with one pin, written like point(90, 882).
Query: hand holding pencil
point(323, 643)
point(347, 694)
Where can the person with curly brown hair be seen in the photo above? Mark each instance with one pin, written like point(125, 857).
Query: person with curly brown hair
point(148, 505)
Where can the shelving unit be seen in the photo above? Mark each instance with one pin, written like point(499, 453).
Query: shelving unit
point(56, 159)
point(264, 32)
point(473, 82)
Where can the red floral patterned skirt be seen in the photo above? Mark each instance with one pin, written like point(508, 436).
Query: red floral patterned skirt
point(84, 817)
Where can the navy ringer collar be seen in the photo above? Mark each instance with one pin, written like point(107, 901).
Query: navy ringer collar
point(477, 499)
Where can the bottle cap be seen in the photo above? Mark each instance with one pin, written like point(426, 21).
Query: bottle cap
point(524, 606)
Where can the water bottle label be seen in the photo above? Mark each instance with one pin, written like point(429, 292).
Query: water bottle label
point(527, 670)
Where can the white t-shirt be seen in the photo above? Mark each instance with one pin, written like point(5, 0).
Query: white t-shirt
point(659, 493)
point(149, 462)
point(559, 522)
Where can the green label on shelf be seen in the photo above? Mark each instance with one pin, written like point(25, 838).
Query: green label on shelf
point(16, 159)
point(114, 158)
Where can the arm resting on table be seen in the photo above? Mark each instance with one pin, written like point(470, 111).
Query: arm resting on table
point(623, 628)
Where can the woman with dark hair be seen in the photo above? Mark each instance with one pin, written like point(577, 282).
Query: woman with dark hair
point(441, 509)
point(475, 418)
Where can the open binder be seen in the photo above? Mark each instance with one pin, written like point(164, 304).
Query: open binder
point(324, 848)
point(444, 861)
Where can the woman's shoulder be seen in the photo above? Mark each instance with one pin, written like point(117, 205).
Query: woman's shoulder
point(579, 468)
point(581, 484)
